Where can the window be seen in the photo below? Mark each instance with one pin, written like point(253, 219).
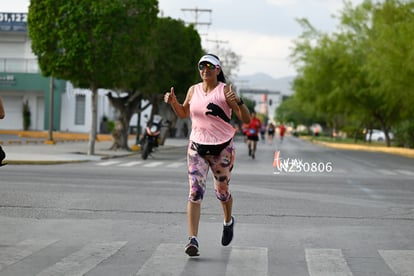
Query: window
point(80, 110)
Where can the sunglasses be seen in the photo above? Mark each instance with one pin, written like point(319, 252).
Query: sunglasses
point(206, 65)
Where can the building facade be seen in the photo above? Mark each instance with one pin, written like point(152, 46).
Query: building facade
point(24, 88)
point(20, 80)
point(266, 101)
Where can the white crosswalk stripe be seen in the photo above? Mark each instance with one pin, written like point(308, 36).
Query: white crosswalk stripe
point(242, 261)
point(175, 165)
point(145, 164)
point(12, 254)
point(164, 261)
point(249, 260)
point(153, 164)
point(169, 259)
point(83, 260)
point(108, 163)
point(400, 261)
point(131, 164)
point(326, 262)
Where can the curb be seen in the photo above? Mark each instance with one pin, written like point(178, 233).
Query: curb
point(41, 138)
point(57, 135)
point(390, 150)
point(41, 162)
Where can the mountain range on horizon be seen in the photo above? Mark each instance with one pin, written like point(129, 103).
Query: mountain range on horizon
point(266, 82)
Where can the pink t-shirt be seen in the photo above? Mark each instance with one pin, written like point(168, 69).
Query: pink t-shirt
point(210, 116)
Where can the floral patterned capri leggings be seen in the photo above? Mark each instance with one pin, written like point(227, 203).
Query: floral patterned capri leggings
point(221, 167)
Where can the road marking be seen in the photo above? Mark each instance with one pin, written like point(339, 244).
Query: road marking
point(400, 261)
point(19, 251)
point(108, 163)
point(340, 171)
point(406, 172)
point(326, 262)
point(83, 260)
point(130, 164)
point(142, 164)
point(247, 261)
point(153, 164)
point(386, 172)
point(168, 259)
point(175, 165)
point(371, 193)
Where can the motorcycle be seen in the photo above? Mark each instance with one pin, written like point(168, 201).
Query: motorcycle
point(151, 136)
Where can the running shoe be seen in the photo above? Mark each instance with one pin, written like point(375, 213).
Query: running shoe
point(191, 249)
point(227, 233)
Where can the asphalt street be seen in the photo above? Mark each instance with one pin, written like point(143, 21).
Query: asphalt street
point(315, 211)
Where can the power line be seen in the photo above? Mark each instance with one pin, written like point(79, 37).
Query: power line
point(197, 12)
point(217, 41)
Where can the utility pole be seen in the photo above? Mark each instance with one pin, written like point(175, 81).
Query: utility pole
point(217, 42)
point(197, 12)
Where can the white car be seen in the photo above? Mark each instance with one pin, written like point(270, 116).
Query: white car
point(378, 135)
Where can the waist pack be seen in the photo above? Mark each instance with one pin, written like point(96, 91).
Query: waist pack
point(209, 149)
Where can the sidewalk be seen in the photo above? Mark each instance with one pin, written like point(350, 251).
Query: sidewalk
point(30, 148)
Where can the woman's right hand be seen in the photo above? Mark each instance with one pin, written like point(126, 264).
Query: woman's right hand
point(169, 97)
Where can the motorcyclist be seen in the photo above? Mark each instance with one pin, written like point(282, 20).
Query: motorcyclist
point(151, 135)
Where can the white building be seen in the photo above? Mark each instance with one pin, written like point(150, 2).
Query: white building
point(21, 82)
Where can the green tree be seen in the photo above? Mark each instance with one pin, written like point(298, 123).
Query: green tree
point(391, 39)
point(343, 79)
point(173, 53)
point(168, 59)
point(317, 89)
point(371, 25)
point(86, 41)
point(294, 111)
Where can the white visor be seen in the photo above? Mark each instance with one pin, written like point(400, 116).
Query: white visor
point(210, 59)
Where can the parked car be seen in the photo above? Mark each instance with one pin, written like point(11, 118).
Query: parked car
point(377, 135)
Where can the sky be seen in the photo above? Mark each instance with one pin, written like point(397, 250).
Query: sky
point(260, 31)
